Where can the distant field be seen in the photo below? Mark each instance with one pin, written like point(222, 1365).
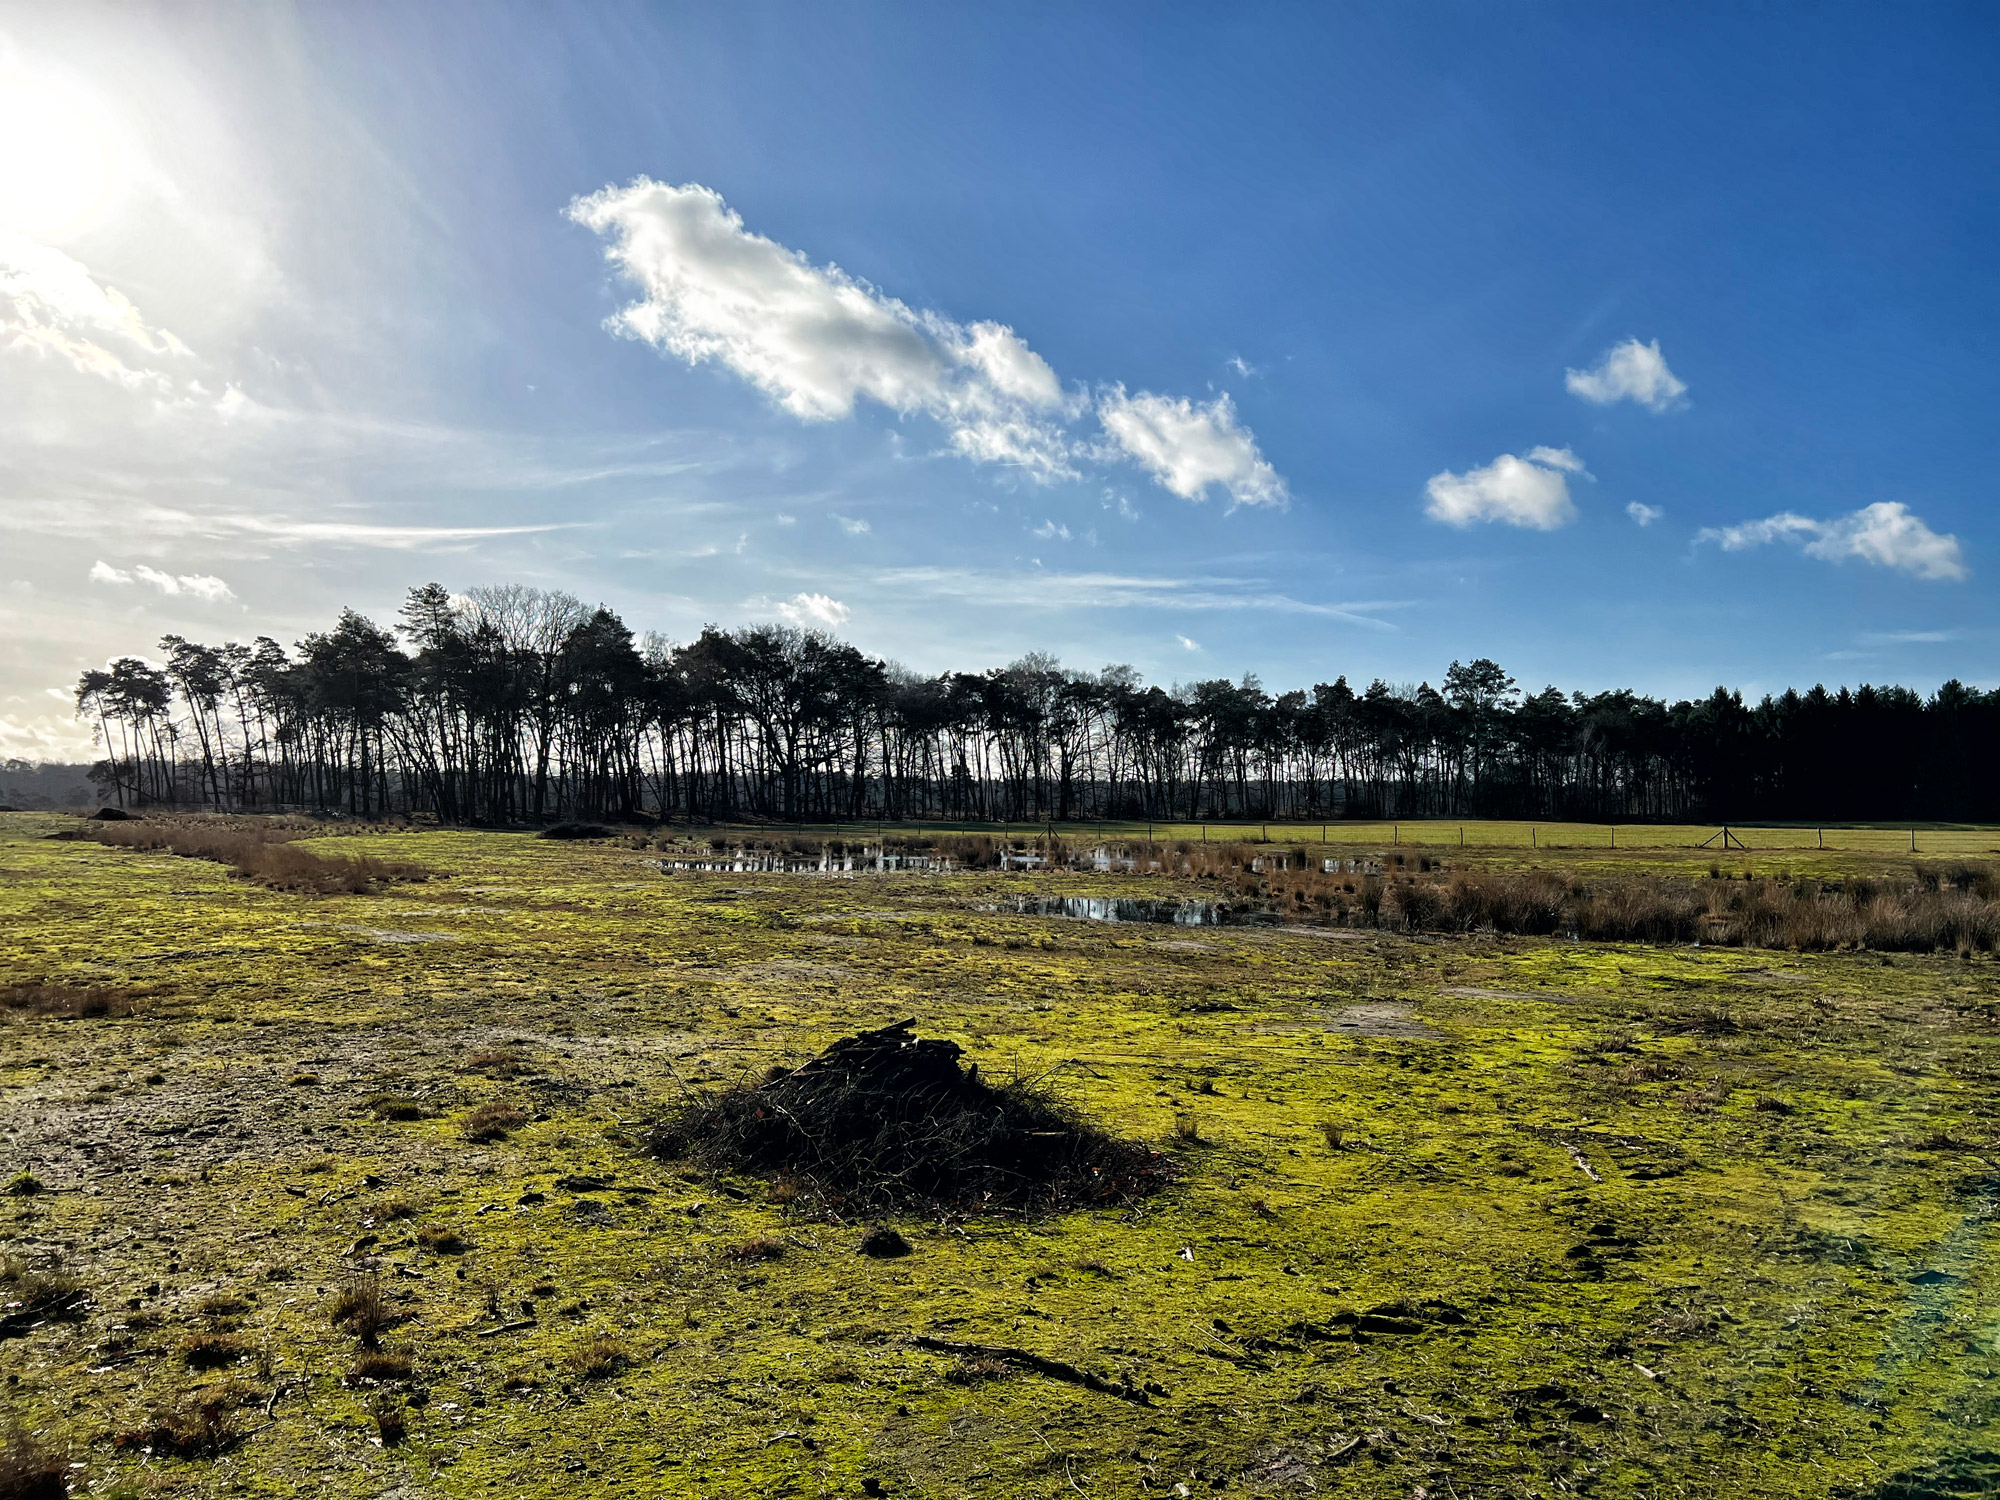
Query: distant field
point(1458, 1217)
point(1938, 839)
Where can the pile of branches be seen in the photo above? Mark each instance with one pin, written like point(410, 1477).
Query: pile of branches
point(887, 1120)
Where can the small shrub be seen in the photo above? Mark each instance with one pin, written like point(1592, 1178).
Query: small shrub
point(1769, 1104)
point(393, 1107)
point(1334, 1135)
point(491, 1122)
point(24, 1185)
point(397, 1206)
point(303, 1080)
point(761, 1247)
point(360, 1308)
point(599, 1356)
point(390, 1420)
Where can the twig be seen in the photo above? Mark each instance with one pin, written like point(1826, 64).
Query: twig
point(487, 1333)
point(1055, 1369)
point(1582, 1162)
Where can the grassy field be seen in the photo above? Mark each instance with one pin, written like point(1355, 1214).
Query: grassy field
point(1493, 836)
point(1470, 1217)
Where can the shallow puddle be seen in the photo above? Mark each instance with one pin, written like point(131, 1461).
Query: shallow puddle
point(1132, 909)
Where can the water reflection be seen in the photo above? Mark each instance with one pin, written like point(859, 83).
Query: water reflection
point(1133, 909)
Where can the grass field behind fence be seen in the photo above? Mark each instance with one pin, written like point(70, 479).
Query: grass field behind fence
point(1942, 840)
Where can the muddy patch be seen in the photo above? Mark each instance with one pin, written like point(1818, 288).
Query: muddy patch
point(1376, 1018)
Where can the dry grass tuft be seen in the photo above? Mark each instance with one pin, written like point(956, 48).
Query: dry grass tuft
point(441, 1239)
point(360, 1308)
point(761, 1247)
point(199, 1425)
point(598, 1357)
point(379, 1364)
point(492, 1121)
point(393, 1107)
point(32, 1295)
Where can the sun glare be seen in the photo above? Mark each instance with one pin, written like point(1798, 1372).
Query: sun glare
point(59, 156)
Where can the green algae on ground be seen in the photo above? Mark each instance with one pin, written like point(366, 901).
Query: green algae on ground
point(1634, 1221)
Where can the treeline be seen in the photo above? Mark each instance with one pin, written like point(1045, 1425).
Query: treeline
point(517, 705)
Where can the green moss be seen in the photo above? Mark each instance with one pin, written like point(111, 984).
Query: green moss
point(1558, 1246)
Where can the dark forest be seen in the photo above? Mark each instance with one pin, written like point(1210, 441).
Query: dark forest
point(514, 705)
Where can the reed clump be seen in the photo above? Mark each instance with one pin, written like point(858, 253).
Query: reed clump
point(258, 851)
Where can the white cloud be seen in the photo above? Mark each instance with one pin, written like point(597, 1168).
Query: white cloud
point(1908, 637)
point(1188, 447)
point(1630, 371)
point(818, 341)
point(50, 304)
point(1048, 531)
point(1242, 366)
point(1643, 513)
point(204, 586)
point(853, 525)
point(814, 610)
point(1188, 645)
point(1884, 534)
point(1529, 491)
point(815, 339)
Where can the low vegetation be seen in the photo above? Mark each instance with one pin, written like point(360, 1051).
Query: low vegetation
point(265, 855)
point(1451, 1209)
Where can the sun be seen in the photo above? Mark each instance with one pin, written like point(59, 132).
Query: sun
point(59, 156)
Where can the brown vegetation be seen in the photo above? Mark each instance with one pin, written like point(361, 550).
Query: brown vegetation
point(199, 1425)
point(492, 1121)
point(256, 850)
point(599, 1356)
point(66, 1002)
point(30, 1471)
point(360, 1308)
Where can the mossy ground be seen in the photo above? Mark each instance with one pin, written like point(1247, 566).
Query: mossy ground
point(1774, 1278)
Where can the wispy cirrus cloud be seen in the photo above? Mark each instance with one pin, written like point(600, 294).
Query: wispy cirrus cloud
point(1630, 371)
point(1040, 589)
point(1884, 535)
point(819, 341)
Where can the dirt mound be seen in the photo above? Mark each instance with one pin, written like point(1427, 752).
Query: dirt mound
point(886, 1119)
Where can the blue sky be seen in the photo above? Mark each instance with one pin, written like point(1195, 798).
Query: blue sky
point(1646, 347)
